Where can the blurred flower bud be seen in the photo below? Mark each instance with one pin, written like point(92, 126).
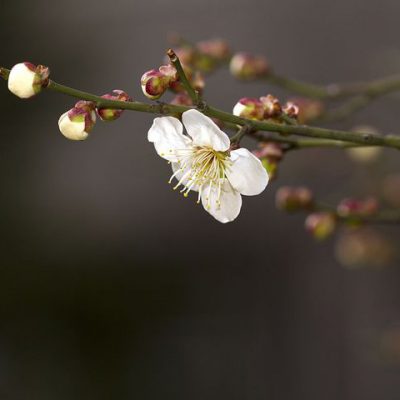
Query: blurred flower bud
point(210, 53)
point(182, 99)
point(321, 224)
point(247, 66)
point(25, 79)
point(353, 207)
point(110, 114)
point(309, 109)
point(270, 150)
point(154, 83)
point(215, 48)
point(363, 247)
point(391, 190)
point(272, 107)
point(77, 123)
point(249, 108)
point(364, 154)
point(293, 199)
point(291, 110)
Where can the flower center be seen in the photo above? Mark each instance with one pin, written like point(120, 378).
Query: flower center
point(200, 167)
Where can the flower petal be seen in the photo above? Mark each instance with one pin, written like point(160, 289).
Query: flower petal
point(167, 135)
point(246, 174)
point(204, 131)
point(230, 202)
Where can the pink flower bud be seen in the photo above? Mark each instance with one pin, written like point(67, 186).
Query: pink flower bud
point(26, 80)
point(77, 123)
point(110, 114)
point(272, 107)
point(250, 108)
point(182, 99)
point(321, 224)
point(293, 199)
point(353, 207)
point(270, 150)
point(247, 66)
point(154, 83)
point(215, 48)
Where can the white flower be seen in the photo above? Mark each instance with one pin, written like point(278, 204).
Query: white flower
point(23, 80)
point(203, 162)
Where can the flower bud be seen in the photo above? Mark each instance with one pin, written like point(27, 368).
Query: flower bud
point(353, 207)
point(293, 199)
point(25, 79)
point(215, 48)
point(271, 105)
point(309, 109)
point(249, 108)
point(247, 66)
point(182, 99)
point(154, 83)
point(210, 53)
point(363, 154)
point(77, 123)
point(321, 224)
point(269, 150)
point(110, 114)
point(291, 110)
point(363, 247)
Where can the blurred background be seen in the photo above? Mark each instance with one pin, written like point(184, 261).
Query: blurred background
point(114, 286)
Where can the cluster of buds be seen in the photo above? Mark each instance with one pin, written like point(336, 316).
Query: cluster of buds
point(248, 67)
point(78, 122)
point(270, 154)
point(265, 107)
point(363, 247)
point(321, 224)
point(157, 81)
point(357, 208)
point(26, 79)
point(203, 56)
point(307, 109)
point(294, 198)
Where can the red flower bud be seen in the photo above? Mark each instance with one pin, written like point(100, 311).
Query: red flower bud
point(249, 108)
point(109, 114)
point(272, 107)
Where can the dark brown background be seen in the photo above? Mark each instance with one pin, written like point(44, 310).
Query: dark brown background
point(114, 287)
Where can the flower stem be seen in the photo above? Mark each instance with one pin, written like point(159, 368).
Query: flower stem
point(392, 141)
point(194, 95)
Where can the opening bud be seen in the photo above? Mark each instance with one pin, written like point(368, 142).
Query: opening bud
point(293, 199)
point(26, 80)
point(77, 123)
point(109, 114)
point(247, 66)
point(291, 110)
point(250, 108)
point(321, 224)
point(271, 105)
